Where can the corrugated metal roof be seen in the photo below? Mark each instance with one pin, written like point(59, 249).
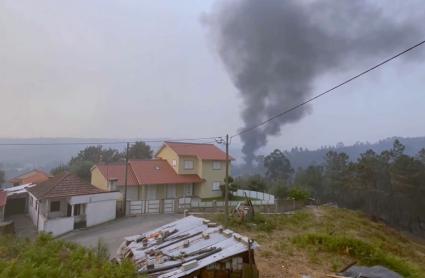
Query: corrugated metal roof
point(164, 252)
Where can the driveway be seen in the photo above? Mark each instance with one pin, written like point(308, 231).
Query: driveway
point(113, 233)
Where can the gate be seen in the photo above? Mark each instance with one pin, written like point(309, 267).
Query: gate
point(152, 206)
point(169, 206)
point(137, 207)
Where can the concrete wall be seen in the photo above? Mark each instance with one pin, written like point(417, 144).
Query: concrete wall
point(98, 180)
point(58, 226)
point(99, 212)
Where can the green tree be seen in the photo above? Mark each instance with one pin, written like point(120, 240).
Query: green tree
point(59, 170)
point(397, 150)
point(254, 183)
point(336, 174)
point(298, 193)
point(96, 154)
point(421, 156)
point(233, 187)
point(278, 167)
point(140, 150)
point(85, 159)
point(311, 178)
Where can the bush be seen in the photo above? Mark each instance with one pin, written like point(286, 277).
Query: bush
point(298, 194)
point(46, 257)
point(362, 251)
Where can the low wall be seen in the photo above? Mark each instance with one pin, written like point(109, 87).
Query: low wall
point(276, 206)
point(58, 226)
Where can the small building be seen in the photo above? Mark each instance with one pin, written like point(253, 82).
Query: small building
point(34, 176)
point(3, 197)
point(65, 202)
point(190, 247)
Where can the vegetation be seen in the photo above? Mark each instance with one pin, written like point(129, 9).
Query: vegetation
point(321, 240)
point(46, 257)
point(86, 158)
point(388, 186)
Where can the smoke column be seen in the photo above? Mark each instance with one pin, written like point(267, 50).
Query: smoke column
point(274, 50)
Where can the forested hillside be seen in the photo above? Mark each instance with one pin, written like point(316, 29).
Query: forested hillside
point(387, 185)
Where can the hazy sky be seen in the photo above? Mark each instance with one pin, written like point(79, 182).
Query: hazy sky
point(149, 69)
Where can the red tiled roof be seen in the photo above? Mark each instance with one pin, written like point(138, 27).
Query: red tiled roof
point(158, 171)
point(3, 197)
point(63, 185)
point(141, 172)
point(202, 151)
point(34, 176)
point(117, 171)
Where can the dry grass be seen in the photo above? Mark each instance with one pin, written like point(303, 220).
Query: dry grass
point(319, 241)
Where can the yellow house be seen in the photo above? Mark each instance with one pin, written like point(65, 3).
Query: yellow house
point(205, 160)
point(179, 170)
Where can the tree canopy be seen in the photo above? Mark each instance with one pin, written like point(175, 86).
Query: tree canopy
point(277, 166)
point(89, 156)
point(140, 150)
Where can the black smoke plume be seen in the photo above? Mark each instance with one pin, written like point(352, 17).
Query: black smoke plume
point(274, 50)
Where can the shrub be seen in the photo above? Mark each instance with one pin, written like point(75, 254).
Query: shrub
point(364, 252)
point(298, 194)
point(46, 257)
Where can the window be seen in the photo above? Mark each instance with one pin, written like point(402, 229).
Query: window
point(188, 164)
point(216, 186)
point(55, 206)
point(174, 163)
point(216, 165)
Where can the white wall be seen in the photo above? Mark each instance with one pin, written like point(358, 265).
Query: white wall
point(99, 212)
point(31, 209)
point(58, 226)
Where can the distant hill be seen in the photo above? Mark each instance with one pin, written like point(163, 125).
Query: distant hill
point(303, 157)
point(18, 159)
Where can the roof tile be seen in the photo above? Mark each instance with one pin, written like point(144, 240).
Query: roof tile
point(63, 185)
point(202, 151)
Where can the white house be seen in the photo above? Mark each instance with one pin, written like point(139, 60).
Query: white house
point(65, 202)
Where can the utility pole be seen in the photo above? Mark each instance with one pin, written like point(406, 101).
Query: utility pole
point(125, 180)
point(226, 182)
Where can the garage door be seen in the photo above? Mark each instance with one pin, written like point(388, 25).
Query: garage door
point(15, 206)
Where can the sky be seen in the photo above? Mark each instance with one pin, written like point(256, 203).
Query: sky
point(149, 69)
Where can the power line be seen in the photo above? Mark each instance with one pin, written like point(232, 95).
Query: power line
point(327, 91)
point(111, 143)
